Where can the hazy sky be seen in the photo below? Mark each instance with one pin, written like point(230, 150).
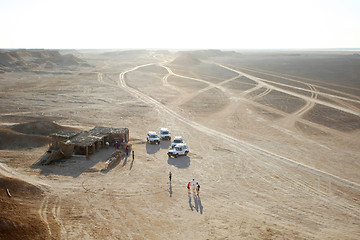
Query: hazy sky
point(225, 24)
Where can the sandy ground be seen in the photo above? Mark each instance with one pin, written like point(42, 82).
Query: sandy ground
point(276, 152)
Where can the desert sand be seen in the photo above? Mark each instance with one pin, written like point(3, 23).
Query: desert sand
point(274, 142)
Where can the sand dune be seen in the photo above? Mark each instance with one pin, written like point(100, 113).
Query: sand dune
point(10, 139)
point(18, 218)
point(44, 128)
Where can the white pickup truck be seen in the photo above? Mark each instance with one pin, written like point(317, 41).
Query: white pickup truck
point(180, 149)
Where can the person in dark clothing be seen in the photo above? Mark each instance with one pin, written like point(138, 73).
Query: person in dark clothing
point(170, 175)
point(133, 154)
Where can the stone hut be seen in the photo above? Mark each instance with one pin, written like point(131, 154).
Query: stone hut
point(86, 143)
point(57, 138)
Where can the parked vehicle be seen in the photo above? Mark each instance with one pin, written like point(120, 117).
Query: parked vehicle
point(164, 134)
point(152, 137)
point(180, 149)
point(177, 140)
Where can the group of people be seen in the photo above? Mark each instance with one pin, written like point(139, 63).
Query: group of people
point(194, 187)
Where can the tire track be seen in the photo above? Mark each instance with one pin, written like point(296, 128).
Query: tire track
point(287, 77)
point(56, 212)
point(309, 104)
point(298, 185)
point(43, 213)
point(211, 85)
point(266, 83)
point(267, 91)
point(268, 173)
point(240, 144)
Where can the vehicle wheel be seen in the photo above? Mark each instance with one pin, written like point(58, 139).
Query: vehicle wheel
point(186, 153)
point(176, 155)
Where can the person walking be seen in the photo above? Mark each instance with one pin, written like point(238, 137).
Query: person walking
point(197, 188)
point(188, 187)
point(133, 154)
point(170, 175)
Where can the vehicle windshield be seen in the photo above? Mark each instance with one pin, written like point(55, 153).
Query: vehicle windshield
point(153, 136)
point(164, 132)
point(177, 140)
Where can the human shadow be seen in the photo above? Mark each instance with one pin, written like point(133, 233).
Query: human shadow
point(165, 144)
point(170, 190)
point(200, 204)
point(76, 165)
point(132, 163)
point(179, 162)
point(190, 204)
point(125, 161)
point(196, 203)
point(152, 148)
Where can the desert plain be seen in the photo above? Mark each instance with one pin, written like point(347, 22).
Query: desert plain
point(274, 140)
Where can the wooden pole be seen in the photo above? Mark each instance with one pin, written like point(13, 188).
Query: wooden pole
point(8, 193)
point(87, 152)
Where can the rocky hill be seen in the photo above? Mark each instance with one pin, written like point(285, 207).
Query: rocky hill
point(186, 58)
point(23, 60)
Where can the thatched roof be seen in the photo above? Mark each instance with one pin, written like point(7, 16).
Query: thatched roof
point(96, 134)
point(106, 131)
point(84, 139)
point(67, 135)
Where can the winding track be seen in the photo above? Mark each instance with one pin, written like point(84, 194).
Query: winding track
point(309, 99)
point(309, 104)
point(350, 97)
point(240, 144)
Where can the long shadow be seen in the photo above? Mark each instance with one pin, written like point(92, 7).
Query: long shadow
point(132, 163)
point(180, 162)
point(76, 165)
point(170, 190)
point(196, 203)
point(152, 148)
point(125, 161)
point(190, 204)
point(200, 205)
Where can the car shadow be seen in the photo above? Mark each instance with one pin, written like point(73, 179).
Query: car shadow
point(165, 144)
point(152, 148)
point(179, 162)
